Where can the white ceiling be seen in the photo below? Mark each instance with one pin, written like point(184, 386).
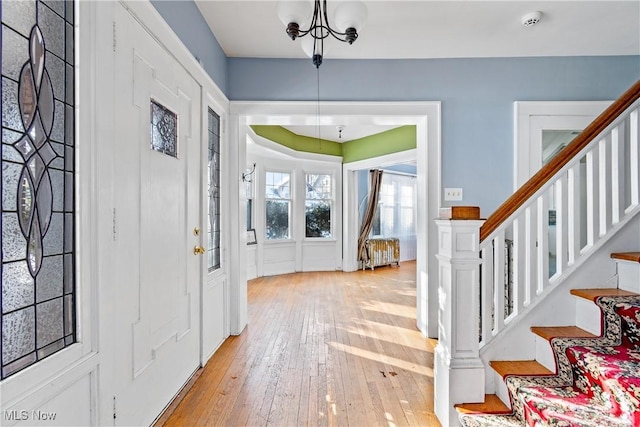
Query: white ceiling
point(440, 29)
point(435, 29)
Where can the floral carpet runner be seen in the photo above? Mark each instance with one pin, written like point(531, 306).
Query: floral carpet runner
point(597, 381)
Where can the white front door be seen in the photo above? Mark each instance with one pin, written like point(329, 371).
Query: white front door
point(157, 208)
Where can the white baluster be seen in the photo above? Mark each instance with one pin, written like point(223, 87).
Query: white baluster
point(498, 282)
point(520, 261)
point(562, 218)
point(532, 252)
point(617, 172)
point(604, 185)
point(542, 249)
point(486, 291)
point(593, 211)
point(573, 213)
point(634, 157)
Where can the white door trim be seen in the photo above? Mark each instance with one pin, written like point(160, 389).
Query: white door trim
point(424, 115)
point(525, 113)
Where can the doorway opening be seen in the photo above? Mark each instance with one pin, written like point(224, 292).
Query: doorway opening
point(425, 116)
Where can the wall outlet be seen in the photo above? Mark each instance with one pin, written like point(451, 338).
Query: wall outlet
point(452, 194)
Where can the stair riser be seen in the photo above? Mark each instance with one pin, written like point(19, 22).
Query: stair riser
point(501, 389)
point(588, 316)
point(544, 354)
point(628, 276)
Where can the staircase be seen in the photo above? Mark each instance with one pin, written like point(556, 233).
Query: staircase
point(595, 377)
point(500, 360)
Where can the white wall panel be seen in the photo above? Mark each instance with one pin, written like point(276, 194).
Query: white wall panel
point(70, 405)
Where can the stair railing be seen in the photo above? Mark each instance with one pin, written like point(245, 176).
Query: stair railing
point(563, 214)
point(499, 269)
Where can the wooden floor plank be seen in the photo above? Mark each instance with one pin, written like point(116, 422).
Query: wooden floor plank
point(321, 349)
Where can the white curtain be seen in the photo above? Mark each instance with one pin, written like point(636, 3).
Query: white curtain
point(396, 216)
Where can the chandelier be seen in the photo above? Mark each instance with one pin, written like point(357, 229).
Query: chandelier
point(349, 17)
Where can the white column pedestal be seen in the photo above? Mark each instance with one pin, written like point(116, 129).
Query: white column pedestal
point(459, 371)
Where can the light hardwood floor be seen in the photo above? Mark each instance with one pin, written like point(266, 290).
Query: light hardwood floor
point(325, 349)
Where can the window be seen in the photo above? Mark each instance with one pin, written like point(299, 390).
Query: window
point(277, 205)
point(318, 205)
point(38, 202)
point(395, 216)
point(213, 174)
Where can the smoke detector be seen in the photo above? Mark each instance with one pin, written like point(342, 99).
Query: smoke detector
point(531, 19)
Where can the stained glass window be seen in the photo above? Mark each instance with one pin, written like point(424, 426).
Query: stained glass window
point(38, 205)
point(213, 169)
point(164, 129)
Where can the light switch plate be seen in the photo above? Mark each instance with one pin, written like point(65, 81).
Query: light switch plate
point(452, 194)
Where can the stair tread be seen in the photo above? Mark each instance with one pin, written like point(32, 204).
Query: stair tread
point(491, 405)
point(627, 256)
point(519, 367)
point(592, 294)
point(548, 332)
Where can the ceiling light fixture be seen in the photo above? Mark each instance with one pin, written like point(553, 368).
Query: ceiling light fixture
point(349, 17)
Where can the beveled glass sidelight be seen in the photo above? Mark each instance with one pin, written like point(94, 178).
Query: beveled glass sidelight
point(38, 203)
point(213, 179)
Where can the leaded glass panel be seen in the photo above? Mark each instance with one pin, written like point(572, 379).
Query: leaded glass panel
point(38, 206)
point(164, 129)
point(213, 169)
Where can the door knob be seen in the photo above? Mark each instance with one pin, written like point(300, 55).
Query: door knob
point(198, 250)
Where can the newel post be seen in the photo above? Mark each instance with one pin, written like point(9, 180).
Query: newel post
point(458, 370)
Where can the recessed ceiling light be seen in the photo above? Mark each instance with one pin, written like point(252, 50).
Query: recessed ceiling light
point(531, 19)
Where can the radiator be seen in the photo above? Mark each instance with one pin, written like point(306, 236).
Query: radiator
point(382, 251)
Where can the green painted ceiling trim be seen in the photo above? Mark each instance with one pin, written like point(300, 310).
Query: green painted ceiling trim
point(298, 142)
point(392, 141)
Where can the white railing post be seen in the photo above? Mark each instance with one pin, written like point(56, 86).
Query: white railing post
point(459, 372)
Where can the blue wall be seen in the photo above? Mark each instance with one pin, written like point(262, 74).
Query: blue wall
point(187, 22)
point(477, 97)
point(477, 94)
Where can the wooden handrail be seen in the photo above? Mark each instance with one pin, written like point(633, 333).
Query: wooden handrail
point(525, 192)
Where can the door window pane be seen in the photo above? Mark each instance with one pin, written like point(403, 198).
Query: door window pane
point(164, 129)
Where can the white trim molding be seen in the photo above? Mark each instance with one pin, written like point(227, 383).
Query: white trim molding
point(426, 116)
